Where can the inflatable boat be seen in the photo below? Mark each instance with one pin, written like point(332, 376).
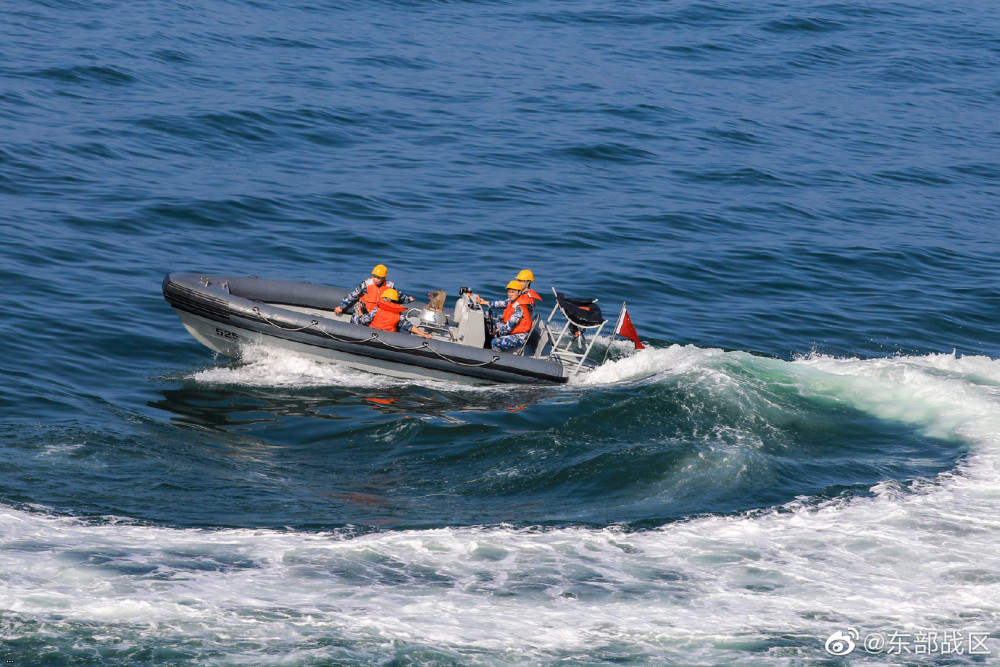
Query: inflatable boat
point(228, 313)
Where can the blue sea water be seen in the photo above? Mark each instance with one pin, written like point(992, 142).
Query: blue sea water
point(798, 200)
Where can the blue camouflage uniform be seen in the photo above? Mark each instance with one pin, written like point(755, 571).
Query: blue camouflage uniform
point(504, 340)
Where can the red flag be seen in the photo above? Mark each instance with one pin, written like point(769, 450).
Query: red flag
point(627, 330)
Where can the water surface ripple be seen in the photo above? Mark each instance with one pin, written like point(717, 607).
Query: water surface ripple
point(798, 201)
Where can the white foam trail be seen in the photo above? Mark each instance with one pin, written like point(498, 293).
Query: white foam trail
point(272, 367)
point(925, 558)
point(651, 364)
point(949, 397)
point(264, 366)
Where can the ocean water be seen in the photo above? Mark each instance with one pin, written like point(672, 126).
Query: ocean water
point(798, 200)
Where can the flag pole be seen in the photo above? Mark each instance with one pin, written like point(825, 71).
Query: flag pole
point(614, 333)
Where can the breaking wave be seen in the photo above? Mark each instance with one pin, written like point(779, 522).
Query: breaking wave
point(774, 581)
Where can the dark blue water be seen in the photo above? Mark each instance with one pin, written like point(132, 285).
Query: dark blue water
point(798, 201)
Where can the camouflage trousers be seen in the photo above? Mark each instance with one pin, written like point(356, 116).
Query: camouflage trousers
point(509, 342)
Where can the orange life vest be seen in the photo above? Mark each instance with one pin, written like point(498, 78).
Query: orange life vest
point(525, 324)
point(373, 293)
point(388, 315)
point(528, 299)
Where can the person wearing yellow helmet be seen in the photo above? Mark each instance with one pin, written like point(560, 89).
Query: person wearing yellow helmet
point(367, 294)
point(515, 325)
point(526, 277)
point(390, 315)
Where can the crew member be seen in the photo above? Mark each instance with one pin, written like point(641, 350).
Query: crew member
point(526, 277)
point(367, 294)
point(512, 332)
point(389, 315)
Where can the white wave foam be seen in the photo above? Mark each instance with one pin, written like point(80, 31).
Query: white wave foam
point(651, 364)
point(948, 397)
point(923, 558)
point(264, 366)
point(273, 367)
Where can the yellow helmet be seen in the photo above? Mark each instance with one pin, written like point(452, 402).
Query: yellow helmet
point(526, 275)
point(515, 284)
point(390, 294)
point(380, 271)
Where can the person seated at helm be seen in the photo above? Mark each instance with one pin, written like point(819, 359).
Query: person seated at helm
point(367, 294)
point(512, 331)
point(530, 295)
point(390, 315)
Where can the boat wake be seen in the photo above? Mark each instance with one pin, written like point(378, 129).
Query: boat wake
point(774, 582)
point(262, 365)
point(266, 366)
